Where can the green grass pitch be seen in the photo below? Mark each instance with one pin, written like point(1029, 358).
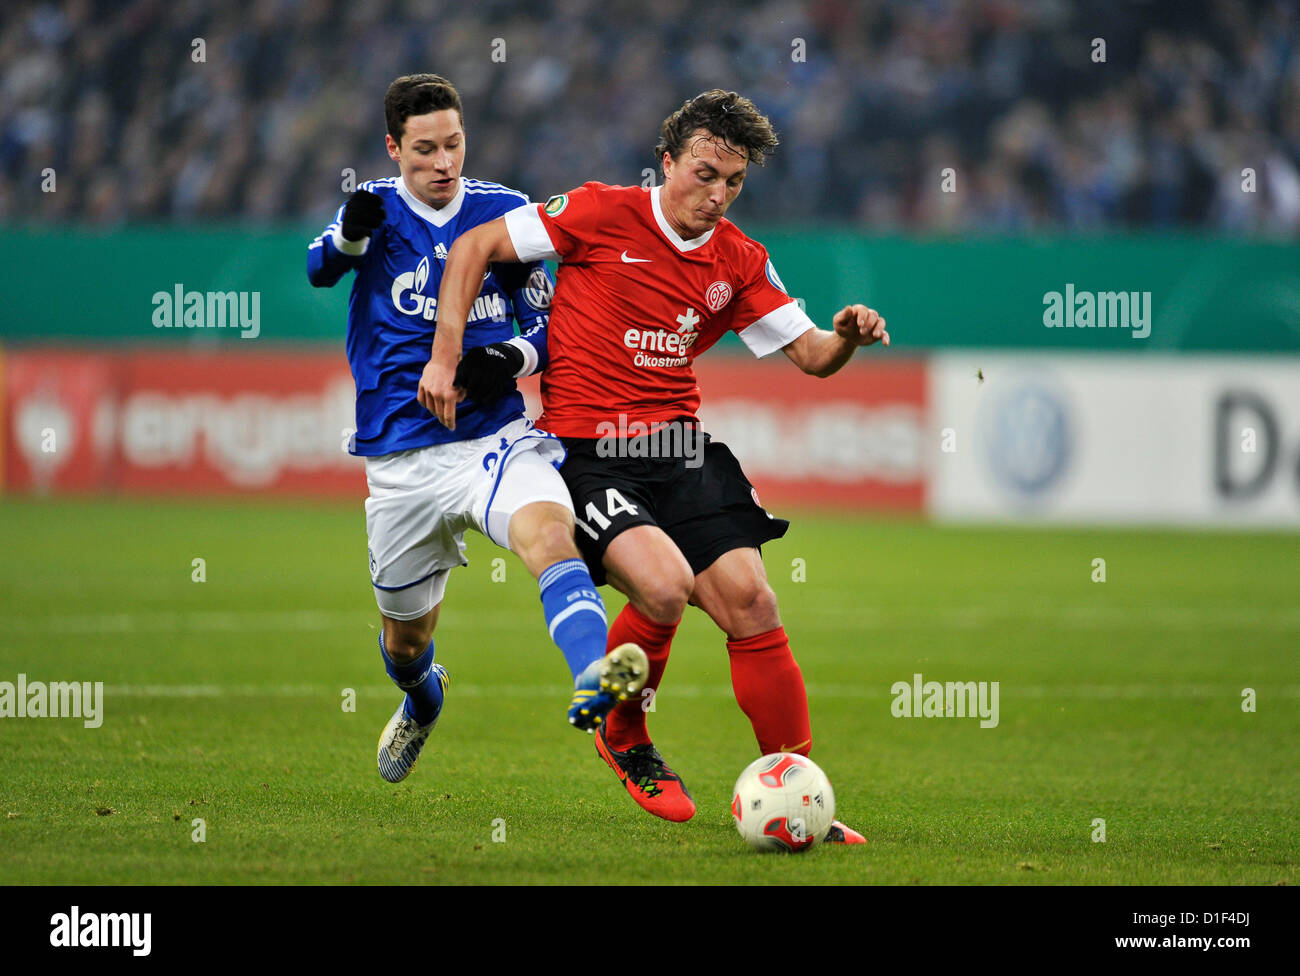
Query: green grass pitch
point(1119, 701)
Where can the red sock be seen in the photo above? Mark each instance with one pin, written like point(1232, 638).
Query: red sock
point(769, 689)
point(625, 725)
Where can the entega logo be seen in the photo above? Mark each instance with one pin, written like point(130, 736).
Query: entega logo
point(676, 344)
point(414, 282)
point(555, 206)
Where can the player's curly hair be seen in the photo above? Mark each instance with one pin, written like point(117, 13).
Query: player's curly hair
point(418, 95)
point(727, 115)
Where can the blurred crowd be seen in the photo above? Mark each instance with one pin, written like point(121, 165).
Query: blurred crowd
point(932, 116)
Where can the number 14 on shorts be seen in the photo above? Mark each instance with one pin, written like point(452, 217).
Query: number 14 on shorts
point(615, 504)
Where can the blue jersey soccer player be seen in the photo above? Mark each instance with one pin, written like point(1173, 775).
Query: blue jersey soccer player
point(494, 472)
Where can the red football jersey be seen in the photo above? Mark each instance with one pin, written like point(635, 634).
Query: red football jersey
point(635, 304)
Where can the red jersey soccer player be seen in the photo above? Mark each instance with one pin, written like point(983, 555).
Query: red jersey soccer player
point(648, 280)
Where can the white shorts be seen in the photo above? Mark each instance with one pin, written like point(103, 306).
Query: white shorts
point(422, 501)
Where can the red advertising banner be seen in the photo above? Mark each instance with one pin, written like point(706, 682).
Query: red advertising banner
point(56, 410)
point(277, 422)
point(186, 423)
point(851, 440)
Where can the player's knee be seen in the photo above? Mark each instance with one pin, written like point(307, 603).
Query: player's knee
point(406, 640)
point(554, 540)
point(763, 606)
point(753, 609)
point(402, 651)
point(542, 535)
point(664, 599)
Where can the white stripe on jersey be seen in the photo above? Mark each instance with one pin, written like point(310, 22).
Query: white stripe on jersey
point(489, 185)
point(496, 193)
point(486, 186)
point(334, 225)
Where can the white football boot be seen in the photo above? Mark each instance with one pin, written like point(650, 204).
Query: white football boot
point(403, 738)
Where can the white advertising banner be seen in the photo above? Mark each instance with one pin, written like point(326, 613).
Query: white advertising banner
point(1189, 440)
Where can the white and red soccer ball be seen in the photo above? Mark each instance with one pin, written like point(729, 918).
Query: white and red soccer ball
point(783, 802)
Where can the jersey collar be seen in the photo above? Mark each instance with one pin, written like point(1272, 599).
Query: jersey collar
point(672, 235)
point(440, 217)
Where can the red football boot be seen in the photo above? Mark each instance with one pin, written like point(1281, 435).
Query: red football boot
point(648, 779)
point(840, 834)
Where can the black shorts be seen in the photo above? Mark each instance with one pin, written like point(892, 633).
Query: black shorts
point(706, 507)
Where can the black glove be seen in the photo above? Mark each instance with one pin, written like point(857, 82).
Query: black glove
point(362, 215)
point(487, 373)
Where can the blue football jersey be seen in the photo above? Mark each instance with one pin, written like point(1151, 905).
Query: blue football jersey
point(393, 310)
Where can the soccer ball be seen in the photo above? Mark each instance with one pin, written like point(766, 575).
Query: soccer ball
point(783, 802)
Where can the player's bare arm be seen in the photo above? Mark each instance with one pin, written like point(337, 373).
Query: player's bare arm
point(462, 277)
point(820, 353)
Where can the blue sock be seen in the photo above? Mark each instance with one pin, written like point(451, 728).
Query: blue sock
point(417, 679)
point(575, 613)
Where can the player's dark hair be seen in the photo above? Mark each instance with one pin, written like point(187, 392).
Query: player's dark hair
point(418, 95)
point(727, 115)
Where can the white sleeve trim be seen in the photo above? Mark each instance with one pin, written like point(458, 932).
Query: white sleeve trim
point(530, 356)
point(777, 329)
point(528, 235)
point(345, 246)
